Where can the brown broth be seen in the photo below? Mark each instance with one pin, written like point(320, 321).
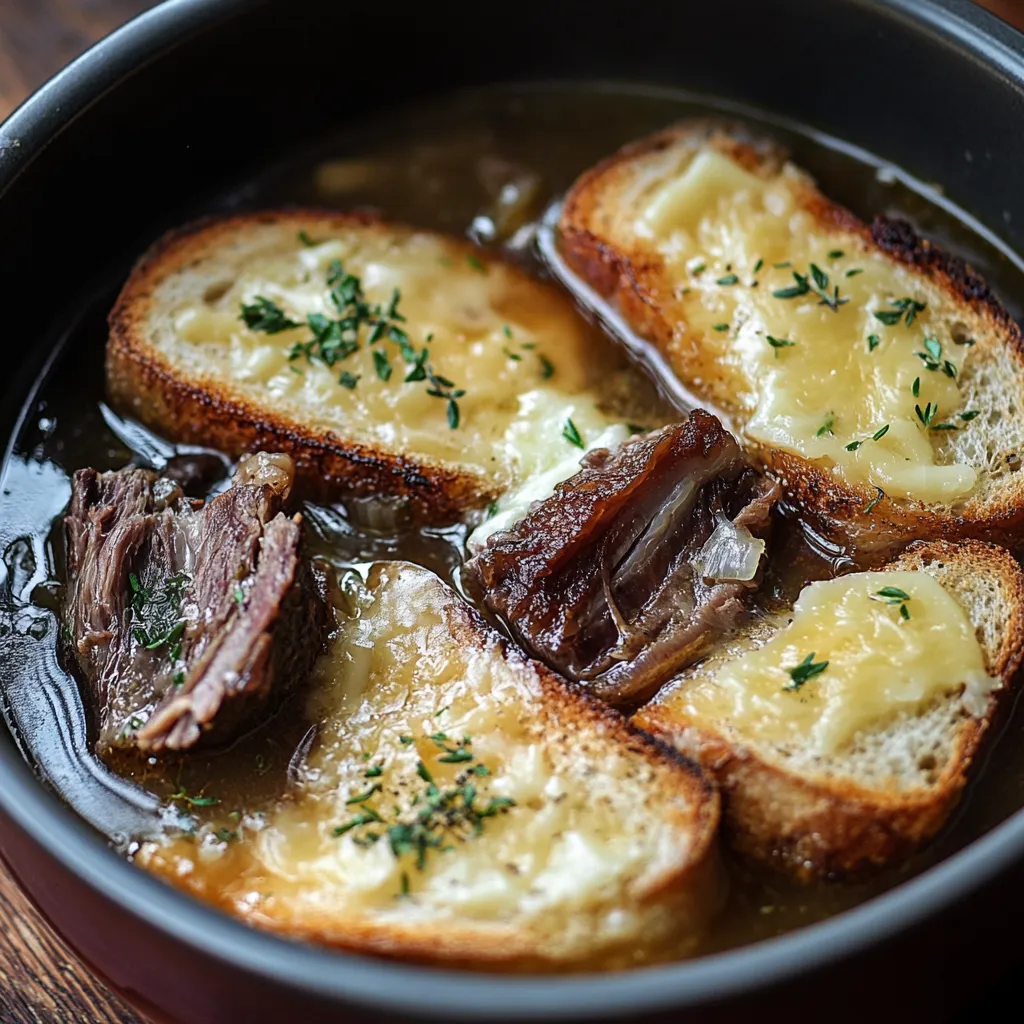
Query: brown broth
point(438, 165)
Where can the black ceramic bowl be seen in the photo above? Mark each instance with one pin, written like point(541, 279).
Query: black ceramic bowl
point(196, 96)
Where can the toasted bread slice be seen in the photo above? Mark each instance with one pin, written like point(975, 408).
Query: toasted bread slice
point(588, 840)
point(881, 795)
point(708, 269)
point(512, 353)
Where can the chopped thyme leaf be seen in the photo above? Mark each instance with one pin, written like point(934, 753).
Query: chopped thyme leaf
point(915, 388)
point(698, 268)
point(195, 801)
point(547, 368)
point(225, 835)
point(492, 511)
point(728, 279)
point(894, 596)
point(381, 364)
point(239, 594)
point(944, 426)
point(456, 756)
point(758, 265)
point(826, 427)
point(807, 669)
point(777, 343)
point(793, 291)
point(374, 771)
point(295, 370)
point(854, 271)
point(572, 435)
point(870, 506)
point(783, 265)
point(926, 415)
point(873, 342)
point(405, 740)
point(361, 798)
point(529, 345)
point(506, 330)
point(266, 316)
point(306, 240)
point(876, 436)
point(819, 275)
point(452, 414)
point(514, 356)
point(363, 818)
point(903, 309)
point(969, 415)
point(934, 348)
point(720, 327)
point(404, 884)
point(349, 380)
point(836, 254)
point(476, 263)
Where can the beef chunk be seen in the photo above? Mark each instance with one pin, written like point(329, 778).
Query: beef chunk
point(188, 621)
point(634, 565)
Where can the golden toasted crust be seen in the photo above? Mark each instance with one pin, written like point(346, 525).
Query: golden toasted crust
point(634, 279)
point(833, 827)
point(143, 381)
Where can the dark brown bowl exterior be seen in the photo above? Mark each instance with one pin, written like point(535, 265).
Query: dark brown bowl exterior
point(194, 97)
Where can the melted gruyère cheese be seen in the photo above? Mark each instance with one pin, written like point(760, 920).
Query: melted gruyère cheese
point(400, 690)
point(833, 376)
point(880, 663)
point(494, 333)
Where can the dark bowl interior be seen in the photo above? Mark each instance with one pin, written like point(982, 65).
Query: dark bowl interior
point(195, 97)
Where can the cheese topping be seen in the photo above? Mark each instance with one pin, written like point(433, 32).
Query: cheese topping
point(535, 444)
point(494, 333)
point(816, 371)
point(880, 661)
point(400, 694)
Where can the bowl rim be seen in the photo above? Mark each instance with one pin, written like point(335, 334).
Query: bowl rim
point(344, 977)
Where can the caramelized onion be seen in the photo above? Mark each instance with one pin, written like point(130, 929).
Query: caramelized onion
point(731, 554)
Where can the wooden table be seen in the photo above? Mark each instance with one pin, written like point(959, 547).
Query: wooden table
point(41, 980)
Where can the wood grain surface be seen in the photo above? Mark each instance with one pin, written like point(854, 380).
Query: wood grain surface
point(41, 980)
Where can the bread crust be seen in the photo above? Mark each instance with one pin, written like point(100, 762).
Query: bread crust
point(675, 790)
point(634, 279)
point(821, 827)
point(142, 381)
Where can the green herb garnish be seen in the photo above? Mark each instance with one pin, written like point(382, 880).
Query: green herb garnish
point(807, 669)
point(876, 436)
point(902, 309)
point(266, 316)
point(870, 506)
point(476, 263)
point(728, 279)
point(777, 343)
point(894, 596)
point(572, 435)
point(826, 427)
